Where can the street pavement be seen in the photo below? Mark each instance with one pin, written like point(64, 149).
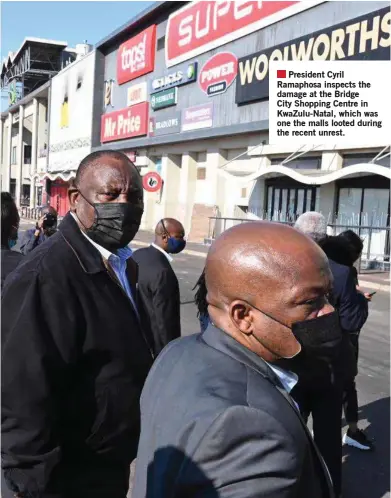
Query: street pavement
point(366, 474)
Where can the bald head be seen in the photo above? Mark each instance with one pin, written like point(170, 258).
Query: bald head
point(98, 161)
point(266, 266)
point(169, 225)
point(169, 235)
point(256, 254)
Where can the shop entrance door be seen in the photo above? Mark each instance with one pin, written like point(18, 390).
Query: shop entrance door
point(59, 198)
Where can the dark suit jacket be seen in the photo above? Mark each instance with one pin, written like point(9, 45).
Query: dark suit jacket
point(74, 362)
point(352, 306)
point(159, 293)
point(9, 261)
point(216, 422)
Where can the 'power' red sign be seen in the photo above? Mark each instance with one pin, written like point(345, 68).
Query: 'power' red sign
point(218, 73)
point(136, 56)
point(201, 26)
point(126, 123)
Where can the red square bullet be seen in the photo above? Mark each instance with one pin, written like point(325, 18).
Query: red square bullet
point(281, 73)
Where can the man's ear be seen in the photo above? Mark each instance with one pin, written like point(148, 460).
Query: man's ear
point(241, 314)
point(73, 195)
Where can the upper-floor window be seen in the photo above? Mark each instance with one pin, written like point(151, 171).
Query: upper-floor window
point(13, 155)
point(300, 162)
point(27, 154)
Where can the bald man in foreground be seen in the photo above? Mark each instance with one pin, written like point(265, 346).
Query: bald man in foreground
point(217, 419)
point(158, 285)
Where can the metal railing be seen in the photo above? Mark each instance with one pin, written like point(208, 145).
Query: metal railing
point(376, 239)
point(30, 213)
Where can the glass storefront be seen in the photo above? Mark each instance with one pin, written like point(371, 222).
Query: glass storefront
point(363, 206)
point(287, 202)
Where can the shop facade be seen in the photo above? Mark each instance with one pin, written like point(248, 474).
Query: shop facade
point(190, 100)
point(70, 128)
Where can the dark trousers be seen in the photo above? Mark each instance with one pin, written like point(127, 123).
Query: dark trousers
point(350, 400)
point(324, 403)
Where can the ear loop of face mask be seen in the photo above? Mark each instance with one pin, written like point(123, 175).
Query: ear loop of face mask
point(96, 214)
point(165, 229)
point(280, 323)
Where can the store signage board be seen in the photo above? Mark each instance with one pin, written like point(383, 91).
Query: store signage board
point(166, 98)
point(136, 56)
point(198, 117)
point(165, 126)
point(126, 123)
point(218, 73)
point(183, 75)
point(136, 94)
point(201, 26)
point(342, 41)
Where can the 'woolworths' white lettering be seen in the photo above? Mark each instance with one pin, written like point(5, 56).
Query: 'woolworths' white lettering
point(134, 58)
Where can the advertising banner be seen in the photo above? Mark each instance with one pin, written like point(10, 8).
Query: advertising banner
point(136, 94)
point(136, 56)
point(126, 123)
point(166, 98)
point(195, 118)
point(182, 76)
point(218, 73)
point(165, 126)
point(201, 26)
point(367, 37)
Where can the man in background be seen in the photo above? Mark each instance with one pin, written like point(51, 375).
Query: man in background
point(320, 388)
point(9, 236)
point(45, 227)
point(158, 284)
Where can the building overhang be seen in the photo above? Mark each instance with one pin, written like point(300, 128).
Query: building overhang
point(55, 175)
point(320, 178)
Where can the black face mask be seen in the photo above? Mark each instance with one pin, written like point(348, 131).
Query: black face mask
point(320, 338)
point(115, 225)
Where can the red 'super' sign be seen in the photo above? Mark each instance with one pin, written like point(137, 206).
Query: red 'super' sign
point(126, 123)
point(201, 26)
point(218, 73)
point(136, 56)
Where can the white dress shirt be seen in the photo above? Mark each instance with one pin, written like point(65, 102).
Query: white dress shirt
point(170, 259)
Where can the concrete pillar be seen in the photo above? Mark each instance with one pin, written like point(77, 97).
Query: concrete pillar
point(19, 160)
point(256, 204)
point(216, 185)
point(187, 187)
point(169, 205)
point(6, 180)
point(327, 195)
point(148, 219)
point(34, 153)
point(331, 161)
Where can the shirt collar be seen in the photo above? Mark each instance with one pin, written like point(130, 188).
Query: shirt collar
point(287, 378)
point(123, 254)
point(170, 259)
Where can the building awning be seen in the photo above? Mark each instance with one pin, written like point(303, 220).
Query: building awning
point(56, 175)
point(308, 177)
